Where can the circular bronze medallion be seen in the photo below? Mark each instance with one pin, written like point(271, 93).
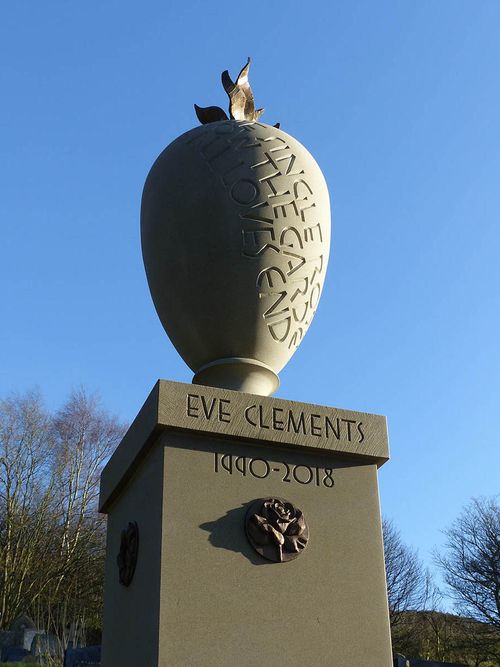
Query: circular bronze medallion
point(276, 529)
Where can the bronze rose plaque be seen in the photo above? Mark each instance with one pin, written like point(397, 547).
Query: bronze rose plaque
point(127, 558)
point(276, 529)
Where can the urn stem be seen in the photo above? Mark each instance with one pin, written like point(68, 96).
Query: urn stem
point(239, 374)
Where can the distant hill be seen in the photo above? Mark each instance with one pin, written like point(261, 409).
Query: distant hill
point(443, 637)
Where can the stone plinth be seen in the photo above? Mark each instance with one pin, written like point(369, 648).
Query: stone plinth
point(189, 467)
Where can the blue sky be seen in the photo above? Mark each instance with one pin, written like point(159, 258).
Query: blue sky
point(398, 101)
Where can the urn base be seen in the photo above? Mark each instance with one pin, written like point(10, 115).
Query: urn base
point(238, 374)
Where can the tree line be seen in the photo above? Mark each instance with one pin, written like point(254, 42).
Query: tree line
point(52, 541)
point(469, 565)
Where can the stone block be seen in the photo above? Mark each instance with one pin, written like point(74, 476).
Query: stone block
point(193, 462)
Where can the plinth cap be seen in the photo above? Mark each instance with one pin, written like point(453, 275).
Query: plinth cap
point(222, 413)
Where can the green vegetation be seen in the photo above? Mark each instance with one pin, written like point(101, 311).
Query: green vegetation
point(470, 567)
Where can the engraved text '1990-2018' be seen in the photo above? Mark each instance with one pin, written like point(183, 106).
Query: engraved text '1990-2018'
point(262, 469)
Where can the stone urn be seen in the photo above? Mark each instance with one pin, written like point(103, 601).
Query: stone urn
point(235, 228)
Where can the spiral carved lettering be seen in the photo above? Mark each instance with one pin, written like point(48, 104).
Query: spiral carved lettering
point(280, 230)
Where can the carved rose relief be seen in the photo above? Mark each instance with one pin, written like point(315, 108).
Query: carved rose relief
point(276, 529)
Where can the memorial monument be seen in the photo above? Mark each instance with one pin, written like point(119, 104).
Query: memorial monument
point(242, 529)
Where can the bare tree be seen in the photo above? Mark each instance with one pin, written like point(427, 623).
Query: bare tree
point(84, 437)
point(52, 538)
point(408, 583)
point(25, 451)
point(471, 562)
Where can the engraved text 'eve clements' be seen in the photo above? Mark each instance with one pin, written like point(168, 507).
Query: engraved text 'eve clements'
point(275, 418)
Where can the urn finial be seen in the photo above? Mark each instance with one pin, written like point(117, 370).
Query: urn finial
point(241, 102)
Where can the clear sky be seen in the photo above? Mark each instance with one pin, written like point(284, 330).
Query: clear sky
point(399, 101)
